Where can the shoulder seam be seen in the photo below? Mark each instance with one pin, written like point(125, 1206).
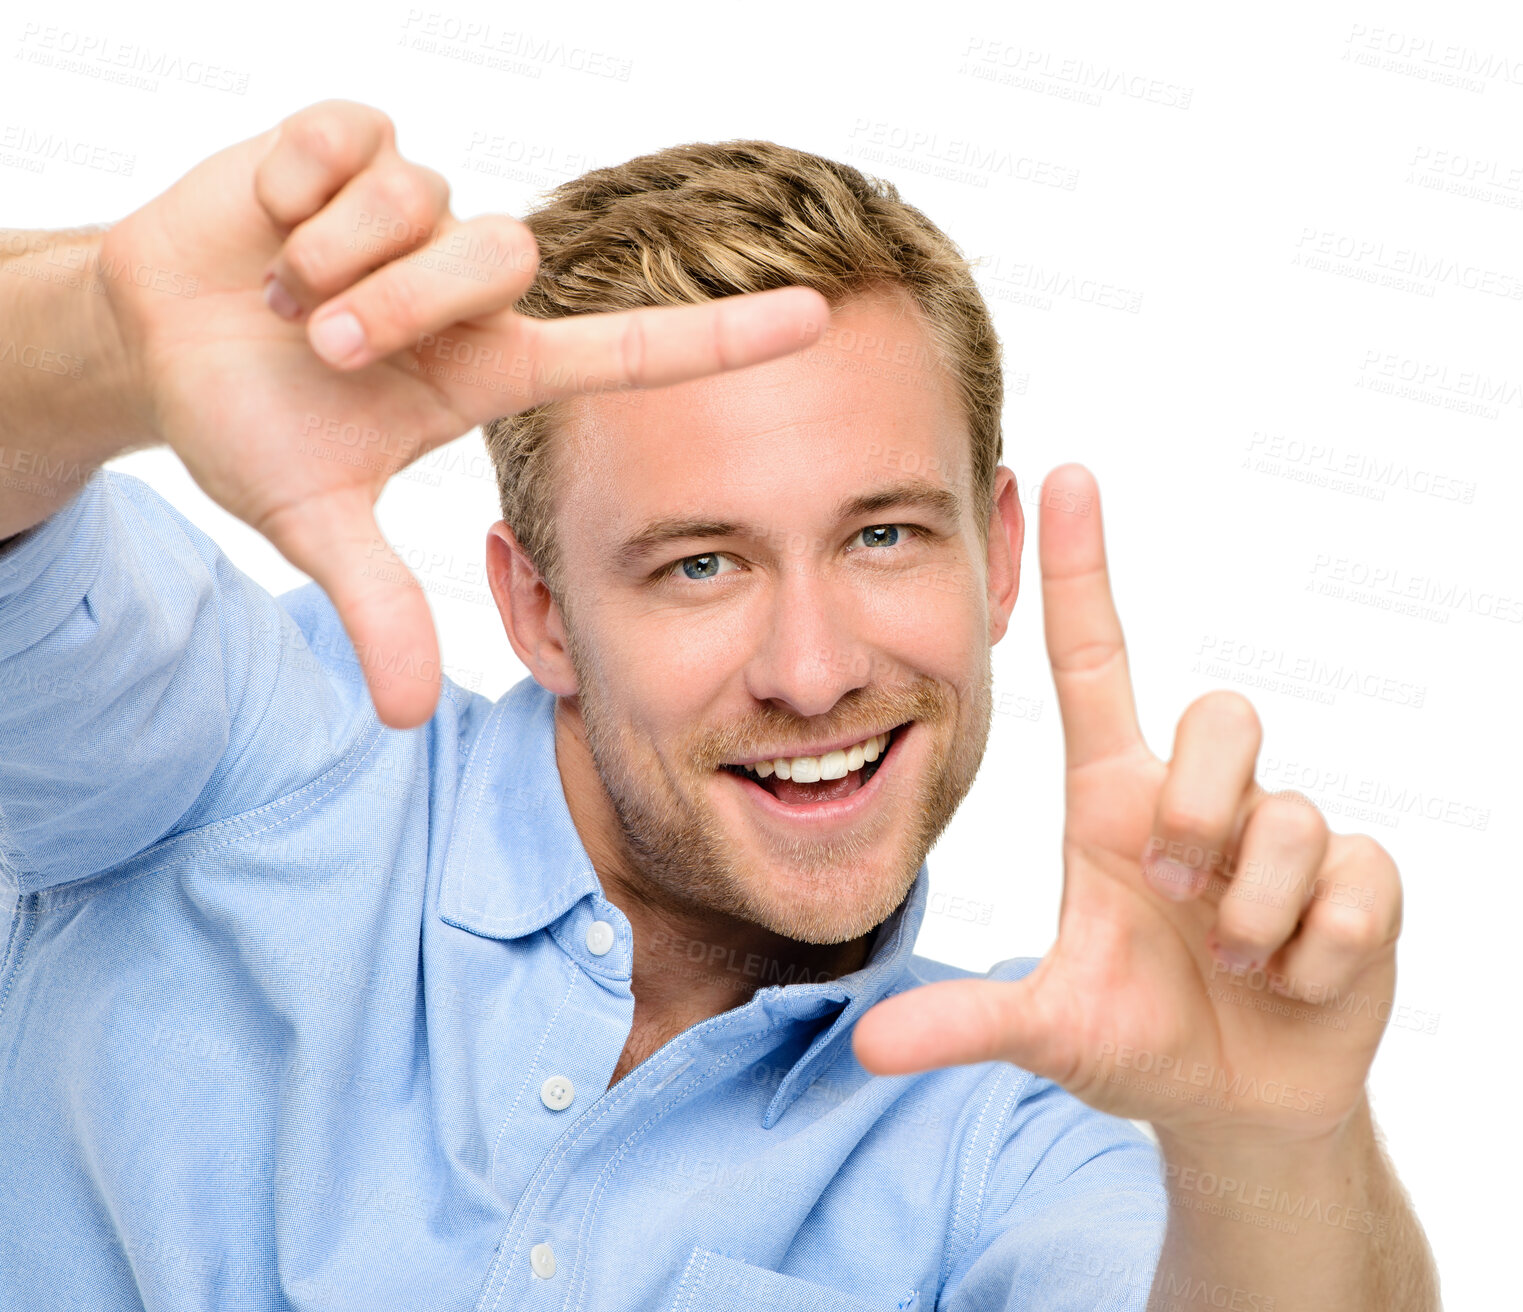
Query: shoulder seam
point(955, 1247)
point(190, 837)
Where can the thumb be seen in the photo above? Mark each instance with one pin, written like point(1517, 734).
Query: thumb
point(335, 539)
point(954, 1022)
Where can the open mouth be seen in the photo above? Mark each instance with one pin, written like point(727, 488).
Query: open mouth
point(793, 792)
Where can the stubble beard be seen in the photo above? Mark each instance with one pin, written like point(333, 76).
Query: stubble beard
point(676, 849)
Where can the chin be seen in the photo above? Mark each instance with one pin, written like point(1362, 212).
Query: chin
point(825, 910)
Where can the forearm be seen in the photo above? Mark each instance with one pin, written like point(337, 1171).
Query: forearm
point(1283, 1231)
point(67, 403)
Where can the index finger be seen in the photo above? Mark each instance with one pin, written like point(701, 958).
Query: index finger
point(1084, 641)
point(651, 347)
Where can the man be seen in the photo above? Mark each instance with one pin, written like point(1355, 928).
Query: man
point(325, 990)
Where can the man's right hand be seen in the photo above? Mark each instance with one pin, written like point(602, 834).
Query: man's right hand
point(297, 439)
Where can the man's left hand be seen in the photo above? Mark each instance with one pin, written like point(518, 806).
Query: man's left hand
point(1224, 965)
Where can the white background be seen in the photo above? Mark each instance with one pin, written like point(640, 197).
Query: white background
point(1268, 418)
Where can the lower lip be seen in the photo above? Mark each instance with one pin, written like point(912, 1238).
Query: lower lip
point(826, 813)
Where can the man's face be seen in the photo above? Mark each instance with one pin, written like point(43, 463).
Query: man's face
point(777, 625)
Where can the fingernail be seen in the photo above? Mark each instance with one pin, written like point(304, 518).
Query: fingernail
point(279, 299)
point(338, 338)
point(1177, 882)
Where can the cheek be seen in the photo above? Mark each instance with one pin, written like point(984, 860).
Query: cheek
point(663, 672)
point(933, 621)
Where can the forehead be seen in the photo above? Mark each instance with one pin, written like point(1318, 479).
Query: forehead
point(865, 406)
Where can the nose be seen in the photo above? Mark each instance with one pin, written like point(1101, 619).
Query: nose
point(817, 646)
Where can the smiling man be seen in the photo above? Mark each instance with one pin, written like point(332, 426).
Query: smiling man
point(759, 743)
point(328, 988)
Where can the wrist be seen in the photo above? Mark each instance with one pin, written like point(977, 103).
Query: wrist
point(1257, 1166)
point(118, 405)
point(69, 395)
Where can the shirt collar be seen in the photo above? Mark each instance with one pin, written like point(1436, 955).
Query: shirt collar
point(516, 864)
point(853, 994)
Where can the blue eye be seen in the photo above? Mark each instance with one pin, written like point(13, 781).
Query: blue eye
point(698, 567)
point(882, 528)
point(706, 566)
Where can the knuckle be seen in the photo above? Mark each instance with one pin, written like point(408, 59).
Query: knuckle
point(1294, 817)
point(1351, 931)
point(328, 136)
point(1184, 818)
point(403, 194)
point(379, 119)
point(1392, 914)
point(392, 303)
point(437, 184)
point(1364, 852)
point(632, 348)
point(1372, 868)
point(507, 244)
point(1300, 989)
point(305, 259)
point(1240, 929)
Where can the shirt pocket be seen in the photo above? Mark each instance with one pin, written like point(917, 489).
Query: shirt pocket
point(716, 1283)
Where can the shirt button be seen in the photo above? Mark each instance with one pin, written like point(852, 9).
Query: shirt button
point(600, 937)
point(556, 1093)
point(542, 1261)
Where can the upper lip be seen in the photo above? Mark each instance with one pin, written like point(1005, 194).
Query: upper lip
point(839, 745)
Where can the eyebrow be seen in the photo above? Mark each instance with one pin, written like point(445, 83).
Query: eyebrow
point(933, 498)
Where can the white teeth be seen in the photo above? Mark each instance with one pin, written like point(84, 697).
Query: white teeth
point(833, 765)
point(806, 769)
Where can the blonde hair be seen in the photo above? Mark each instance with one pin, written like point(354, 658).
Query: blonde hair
point(695, 222)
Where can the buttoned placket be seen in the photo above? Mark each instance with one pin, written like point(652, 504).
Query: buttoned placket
point(540, 1262)
point(539, 1254)
point(597, 938)
point(514, 819)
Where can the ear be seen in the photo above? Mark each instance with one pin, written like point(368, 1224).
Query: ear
point(1007, 532)
point(530, 616)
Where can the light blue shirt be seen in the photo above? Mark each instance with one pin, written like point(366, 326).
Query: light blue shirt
point(298, 1011)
